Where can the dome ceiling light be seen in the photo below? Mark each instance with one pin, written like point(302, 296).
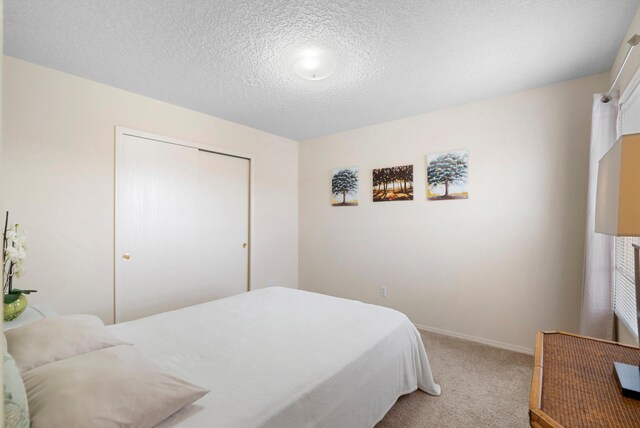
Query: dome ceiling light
point(314, 64)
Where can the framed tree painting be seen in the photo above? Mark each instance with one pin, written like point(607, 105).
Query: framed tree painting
point(344, 187)
point(393, 184)
point(448, 175)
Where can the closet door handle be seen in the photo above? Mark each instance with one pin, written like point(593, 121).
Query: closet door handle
point(126, 257)
point(244, 245)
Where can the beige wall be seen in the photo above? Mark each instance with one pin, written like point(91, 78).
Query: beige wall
point(58, 181)
point(496, 267)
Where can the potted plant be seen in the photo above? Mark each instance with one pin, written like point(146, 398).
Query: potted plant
point(13, 254)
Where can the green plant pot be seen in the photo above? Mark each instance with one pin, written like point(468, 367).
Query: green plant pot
point(15, 309)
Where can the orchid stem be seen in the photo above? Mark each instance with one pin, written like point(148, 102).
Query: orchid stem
point(4, 252)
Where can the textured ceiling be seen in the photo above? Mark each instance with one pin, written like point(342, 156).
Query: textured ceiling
point(233, 58)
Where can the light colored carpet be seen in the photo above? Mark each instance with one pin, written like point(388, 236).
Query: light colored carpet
point(482, 386)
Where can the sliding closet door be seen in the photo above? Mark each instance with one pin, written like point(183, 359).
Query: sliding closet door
point(223, 223)
point(182, 226)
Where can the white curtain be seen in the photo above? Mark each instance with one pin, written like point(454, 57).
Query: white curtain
point(596, 319)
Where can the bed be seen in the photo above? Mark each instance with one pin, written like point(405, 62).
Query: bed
point(280, 357)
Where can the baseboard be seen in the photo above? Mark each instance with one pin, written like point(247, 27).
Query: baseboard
point(494, 343)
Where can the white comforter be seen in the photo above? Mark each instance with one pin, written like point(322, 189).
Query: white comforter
point(280, 357)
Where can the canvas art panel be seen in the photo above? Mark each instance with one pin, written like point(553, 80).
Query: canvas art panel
point(393, 184)
point(344, 187)
point(448, 175)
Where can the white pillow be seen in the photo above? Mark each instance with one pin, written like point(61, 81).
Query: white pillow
point(57, 338)
point(113, 387)
point(16, 412)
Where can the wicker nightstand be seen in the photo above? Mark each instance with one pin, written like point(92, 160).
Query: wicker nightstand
point(573, 383)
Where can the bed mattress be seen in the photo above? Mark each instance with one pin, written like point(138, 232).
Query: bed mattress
point(280, 357)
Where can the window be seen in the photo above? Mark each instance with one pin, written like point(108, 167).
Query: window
point(624, 293)
point(629, 112)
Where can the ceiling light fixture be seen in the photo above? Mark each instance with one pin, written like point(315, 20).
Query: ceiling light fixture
point(314, 64)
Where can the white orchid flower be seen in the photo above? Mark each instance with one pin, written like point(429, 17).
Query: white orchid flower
point(20, 240)
point(18, 269)
point(11, 236)
point(15, 254)
point(19, 272)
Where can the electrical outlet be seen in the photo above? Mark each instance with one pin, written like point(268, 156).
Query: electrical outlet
point(383, 291)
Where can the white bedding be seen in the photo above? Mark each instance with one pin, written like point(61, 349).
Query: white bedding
point(280, 357)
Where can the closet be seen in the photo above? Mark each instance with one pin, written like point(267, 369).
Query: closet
point(182, 224)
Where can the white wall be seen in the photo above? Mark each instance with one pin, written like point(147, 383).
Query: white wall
point(496, 267)
point(58, 182)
